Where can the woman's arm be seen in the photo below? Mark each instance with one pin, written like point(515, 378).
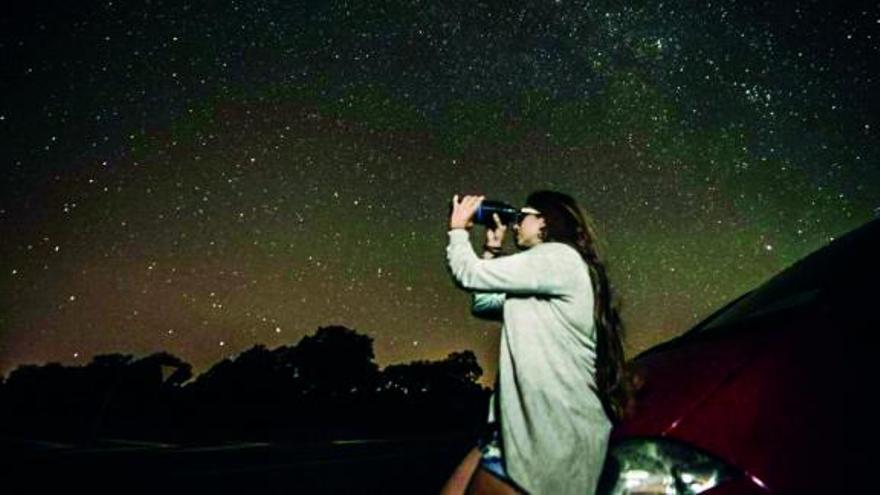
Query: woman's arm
point(488, 305)
point(534, 271)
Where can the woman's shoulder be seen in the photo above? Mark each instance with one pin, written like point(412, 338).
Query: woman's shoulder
point(554, 248)
point(565, 263)
point(563, 256)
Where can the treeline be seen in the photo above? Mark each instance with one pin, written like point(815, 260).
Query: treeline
point(326, 386)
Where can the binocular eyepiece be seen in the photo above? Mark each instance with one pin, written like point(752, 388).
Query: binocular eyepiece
point(508, 214)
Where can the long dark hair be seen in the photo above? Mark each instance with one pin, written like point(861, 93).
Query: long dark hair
point(567, 222)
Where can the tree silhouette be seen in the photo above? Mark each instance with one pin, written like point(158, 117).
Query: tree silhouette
point(135, 393)
point(443, 394)
point(252, 375)
point(335, 362)
point(325, 386)
point(113, 392)
point(34, 396)
point(457, 373)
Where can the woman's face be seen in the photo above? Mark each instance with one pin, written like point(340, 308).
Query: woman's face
point(528, 229)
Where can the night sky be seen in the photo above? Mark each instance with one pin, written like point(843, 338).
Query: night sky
point(201, 177)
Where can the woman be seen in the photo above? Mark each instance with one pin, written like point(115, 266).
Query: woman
point(560, 374)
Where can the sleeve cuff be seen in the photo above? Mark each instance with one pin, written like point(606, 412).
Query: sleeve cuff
point(457, 235)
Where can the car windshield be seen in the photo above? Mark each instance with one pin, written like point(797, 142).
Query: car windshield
point(840, 271)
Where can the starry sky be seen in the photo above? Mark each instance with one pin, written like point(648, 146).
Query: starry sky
point(200, 177)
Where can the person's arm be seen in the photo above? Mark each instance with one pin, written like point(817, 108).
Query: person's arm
point(488, 305)
point(528, 272)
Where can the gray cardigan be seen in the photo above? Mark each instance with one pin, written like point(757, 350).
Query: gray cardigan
point(554, 431)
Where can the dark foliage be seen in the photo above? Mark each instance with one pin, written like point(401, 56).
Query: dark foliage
point(326, 386)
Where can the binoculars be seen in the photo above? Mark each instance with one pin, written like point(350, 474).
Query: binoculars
point(508, 214)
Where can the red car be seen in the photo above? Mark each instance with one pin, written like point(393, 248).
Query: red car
point(769, 395)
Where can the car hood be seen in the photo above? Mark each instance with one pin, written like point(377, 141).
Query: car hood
point(673, 380)
point(775, 397)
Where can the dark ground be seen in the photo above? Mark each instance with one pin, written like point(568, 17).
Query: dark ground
point(418, 465)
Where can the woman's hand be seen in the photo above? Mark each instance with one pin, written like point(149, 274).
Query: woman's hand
point(463, 211)
point(495, 237)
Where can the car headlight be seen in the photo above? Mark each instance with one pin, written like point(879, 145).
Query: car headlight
point(648, 466)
